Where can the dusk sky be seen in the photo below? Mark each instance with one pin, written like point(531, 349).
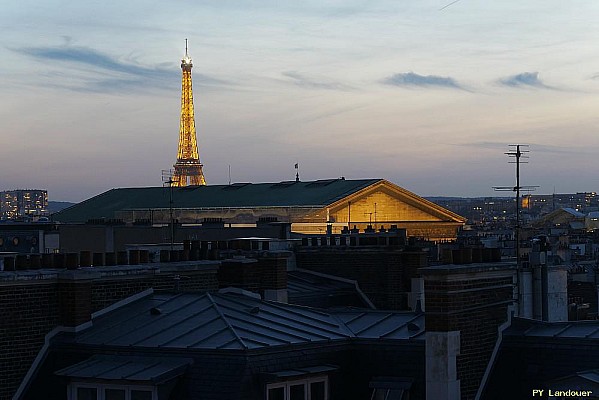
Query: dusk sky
point(424, 95)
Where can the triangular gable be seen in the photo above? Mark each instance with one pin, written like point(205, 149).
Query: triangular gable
point(393, 203)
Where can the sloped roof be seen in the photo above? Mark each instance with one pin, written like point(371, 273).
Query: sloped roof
point(128, 368)
point(236, 322)
point(591, 375)
point(383, 324)
point(315, 289)
point(540, 354)
point(573, 212)
point(283, 194)
point(566, 212)
point(569, 329)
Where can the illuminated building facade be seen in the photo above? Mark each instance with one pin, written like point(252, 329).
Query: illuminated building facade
point(313, 207)
point(17, 204)
point(188, 169)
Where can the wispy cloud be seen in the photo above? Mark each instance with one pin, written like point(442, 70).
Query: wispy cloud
point(524, 79)
point(110, 74)
point(533, 147)
point(410, 79)
point(309, 83)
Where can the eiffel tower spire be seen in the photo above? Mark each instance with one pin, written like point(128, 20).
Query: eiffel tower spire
point(188, 168)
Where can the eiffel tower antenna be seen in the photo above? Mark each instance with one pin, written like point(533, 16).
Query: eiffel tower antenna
point(188, 168)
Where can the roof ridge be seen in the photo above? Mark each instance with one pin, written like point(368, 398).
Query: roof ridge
point(226, 321)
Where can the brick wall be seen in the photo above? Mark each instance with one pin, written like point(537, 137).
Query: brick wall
point(256, 275)
point(538, 360)
point(32, 303)
point(383, 275)
point(473, 300)
point(108, 291)
point(28, 311)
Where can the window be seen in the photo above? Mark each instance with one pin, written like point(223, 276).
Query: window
point(114, 394)
point(141, 395)
point(318, 390)
point(390, 388)
point(303, 389)
point(84, 393)
point(98, 391)
point(276, 393)
point(297, 391)
point(387, 394)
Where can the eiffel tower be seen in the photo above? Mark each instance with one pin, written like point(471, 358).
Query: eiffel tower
point(188, 168)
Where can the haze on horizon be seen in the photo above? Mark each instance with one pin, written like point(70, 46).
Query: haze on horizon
point(424, 96)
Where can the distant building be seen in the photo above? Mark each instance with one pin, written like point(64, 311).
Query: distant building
point(36, 237)
point(20, 204)
point(313, 207)
point(544, 203)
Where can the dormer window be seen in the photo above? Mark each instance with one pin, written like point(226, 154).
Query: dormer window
point(89, 391)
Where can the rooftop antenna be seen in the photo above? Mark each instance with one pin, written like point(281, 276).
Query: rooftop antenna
point(229, 174)
point(517, 155)
point(185, 47)
point(297, 172)
point(167, 179)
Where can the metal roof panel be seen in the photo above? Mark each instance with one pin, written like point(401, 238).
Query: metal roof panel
point(112, 367)
point(236, 321)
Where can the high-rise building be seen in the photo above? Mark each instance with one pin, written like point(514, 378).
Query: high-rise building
point(15, 204)
point(188, 168)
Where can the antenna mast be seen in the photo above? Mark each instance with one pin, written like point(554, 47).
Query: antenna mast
point(167, 178)
point(517, 154)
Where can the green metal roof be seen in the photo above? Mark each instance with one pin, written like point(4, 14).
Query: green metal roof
point(283, 194)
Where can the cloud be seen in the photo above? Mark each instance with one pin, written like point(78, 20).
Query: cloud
point(524, 79)
point(109, 73)
point(410, 79)
point(302, 81)
point(532, 147)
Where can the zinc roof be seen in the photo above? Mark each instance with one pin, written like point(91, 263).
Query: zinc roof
point(282, 194)
point(128, 368)
point(571, 329)
point(237, 322)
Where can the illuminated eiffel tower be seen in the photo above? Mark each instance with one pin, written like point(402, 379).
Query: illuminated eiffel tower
point(188, 168)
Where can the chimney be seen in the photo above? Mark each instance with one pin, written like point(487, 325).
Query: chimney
point(274, 277)
point(265, 275)
point(467, 306)
point(75, 297)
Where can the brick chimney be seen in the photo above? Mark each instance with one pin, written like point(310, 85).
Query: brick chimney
point(74, 298)
point(265, 275)
point(466, 306)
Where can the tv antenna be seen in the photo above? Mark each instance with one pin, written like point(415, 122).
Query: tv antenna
point(167, 179)
point(517, 156)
